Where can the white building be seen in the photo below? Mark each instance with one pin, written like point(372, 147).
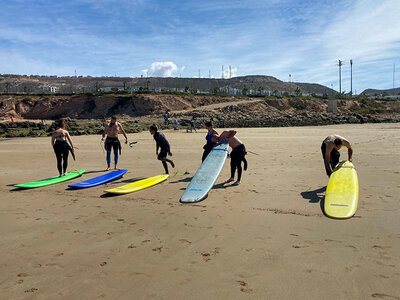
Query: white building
point(51, 89)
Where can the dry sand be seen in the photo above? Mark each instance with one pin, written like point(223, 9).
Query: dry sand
point(265, 239)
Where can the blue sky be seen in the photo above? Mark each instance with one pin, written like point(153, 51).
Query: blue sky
point(173, 38)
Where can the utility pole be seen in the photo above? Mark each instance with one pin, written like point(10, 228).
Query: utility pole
point(340, 75)
point(351, 78)
point(75, 72)
point(209, 73)
point(222, 73)
point(199, 73)
point(230, 72)
point(290, 77)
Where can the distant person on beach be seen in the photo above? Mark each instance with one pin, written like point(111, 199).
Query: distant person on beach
point(162, 143)
point(176, 124)
point(237, 155)
point(111, 140)
point(61, 148)
point(330, 151)
point(192, 126)
point(210, 144)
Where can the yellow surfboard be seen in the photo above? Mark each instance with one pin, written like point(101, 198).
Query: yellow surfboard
point(341, 198)
point(137, 185)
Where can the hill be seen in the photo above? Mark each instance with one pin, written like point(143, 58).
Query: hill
point(37, 84)
point(387, 92)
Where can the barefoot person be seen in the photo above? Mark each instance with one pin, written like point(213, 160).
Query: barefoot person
point(237, 155)
point(161, 142)
point(210, 144)
point(61, 148)
point(112, 142)
point(330, 151)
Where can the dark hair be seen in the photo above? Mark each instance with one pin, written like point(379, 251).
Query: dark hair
point(338, 142)
point(61, 123)
point(208, 124)
point(113, 117)
point(154, 127)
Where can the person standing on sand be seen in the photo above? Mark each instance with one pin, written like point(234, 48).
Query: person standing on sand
point(330, 151)
point(192, 126)
point(161, 142)
point(61, 147)
point(111, 133)
point(237, 155)
point(210, 144)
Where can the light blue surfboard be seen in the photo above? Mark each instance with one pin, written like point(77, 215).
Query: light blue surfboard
point(205, 177)
point(98, 180)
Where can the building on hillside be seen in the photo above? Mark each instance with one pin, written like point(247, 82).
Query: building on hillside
point(51, 89)
point(111, 88)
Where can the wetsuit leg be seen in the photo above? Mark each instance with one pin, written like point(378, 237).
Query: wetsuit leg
point(233, 167)
point(163, 157)
point(59, 161)
point(107, 146)
point(237, 155)
point(323, 149)
point(239, 168)
point(205, 154)
point(335, 155)
point(65, 160)
point(116, 148)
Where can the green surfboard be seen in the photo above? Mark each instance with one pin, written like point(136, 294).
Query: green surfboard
point(50, 181)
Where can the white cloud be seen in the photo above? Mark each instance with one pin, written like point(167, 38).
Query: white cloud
point(161, 69)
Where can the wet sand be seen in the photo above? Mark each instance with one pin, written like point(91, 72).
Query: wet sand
point(264, 239)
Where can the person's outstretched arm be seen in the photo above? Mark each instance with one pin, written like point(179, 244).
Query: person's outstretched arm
point(349, 150)
point(105, 132)
point(124, 133)
point(69, 140)
point(53, 138)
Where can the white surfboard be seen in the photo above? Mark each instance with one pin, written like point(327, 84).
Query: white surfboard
point(205, 177)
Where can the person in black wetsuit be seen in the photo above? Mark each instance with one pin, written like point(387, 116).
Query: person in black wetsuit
point(61, 147)
point(238, 153)
point(161, 142)
point(210, 144)
point(112, 142)
point(330, 151)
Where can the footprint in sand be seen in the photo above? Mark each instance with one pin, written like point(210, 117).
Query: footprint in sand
point(185, 241)
point(31, 290)
point(384, 296)
point(244, 286)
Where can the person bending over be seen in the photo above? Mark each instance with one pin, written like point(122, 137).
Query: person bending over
point(161, 143)
point(330, 151)
point(112, 142)
point(237, 155)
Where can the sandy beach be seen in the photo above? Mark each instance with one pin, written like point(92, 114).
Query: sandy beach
point(264, 239)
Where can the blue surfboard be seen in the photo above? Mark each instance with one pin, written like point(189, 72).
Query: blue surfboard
point(205, 177)
point(98, 180)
